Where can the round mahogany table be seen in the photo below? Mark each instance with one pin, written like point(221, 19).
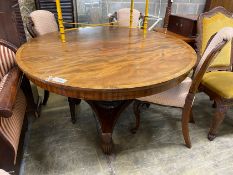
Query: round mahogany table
point(107, 67)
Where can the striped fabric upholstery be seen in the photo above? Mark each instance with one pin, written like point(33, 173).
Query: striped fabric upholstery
point(11, 127)
point(7, 60)
point(2, 83)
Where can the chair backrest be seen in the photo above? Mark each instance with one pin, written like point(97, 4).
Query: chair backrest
point(7, 57)
point(216, 43)
point(43, 22)
point(208, 24)
point(123, 17)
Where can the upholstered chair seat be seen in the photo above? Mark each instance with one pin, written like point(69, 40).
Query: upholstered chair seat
point(219, 82)
point(173, 97)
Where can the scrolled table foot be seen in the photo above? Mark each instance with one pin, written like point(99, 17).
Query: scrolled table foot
point(106, 143)
point(107, 113)
point(211, 137)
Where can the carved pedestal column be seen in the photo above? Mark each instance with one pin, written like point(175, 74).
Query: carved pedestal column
point(107, 113)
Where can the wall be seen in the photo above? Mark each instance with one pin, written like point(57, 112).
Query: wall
point(26, 7)
point(178, 7)
point(100, 8)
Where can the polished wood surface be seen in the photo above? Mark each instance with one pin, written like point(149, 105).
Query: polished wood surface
point(106, 63)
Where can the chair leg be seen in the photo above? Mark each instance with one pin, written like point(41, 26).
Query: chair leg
point(214, 105)
point(191, 117)
point(185, 124)
point(216, 121)
point(46, 97)
point(136, 108)
point(72, 109)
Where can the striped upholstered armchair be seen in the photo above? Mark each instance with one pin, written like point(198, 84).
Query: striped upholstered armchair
point(12, 107)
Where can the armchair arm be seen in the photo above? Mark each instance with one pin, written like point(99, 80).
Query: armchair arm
point(8, 91)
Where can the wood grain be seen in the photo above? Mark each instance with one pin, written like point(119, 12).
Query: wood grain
point(107, 63)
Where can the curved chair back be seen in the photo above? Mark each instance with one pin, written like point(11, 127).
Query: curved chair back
point(123, 16)
point(216, 43)
point(41, 22)
point(208, 24)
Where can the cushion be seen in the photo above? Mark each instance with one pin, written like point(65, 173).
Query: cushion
point(44, 22)
point(220, 82)
point(7, 60)
point(173, 97)
point(2, 172)
point(123, 17)
point(11, 127)
point(211, 26)
point(225, 33)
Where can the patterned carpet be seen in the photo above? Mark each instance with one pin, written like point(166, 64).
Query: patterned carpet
point(56, 146)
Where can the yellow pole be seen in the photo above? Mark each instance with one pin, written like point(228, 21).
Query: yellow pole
point(146, 15)
point(60, 21)
point(131, 13)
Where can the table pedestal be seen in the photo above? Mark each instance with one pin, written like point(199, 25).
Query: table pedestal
point(107, 113)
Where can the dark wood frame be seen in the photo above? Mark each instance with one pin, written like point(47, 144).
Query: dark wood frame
point(210, 14)
point(167, 14)
point(210, 4)
point(187, 109)
point(72, 101)
point(220, 103)
point(7, 151)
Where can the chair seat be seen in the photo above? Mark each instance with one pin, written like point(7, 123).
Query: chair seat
point(220, 82)
point(173, 97)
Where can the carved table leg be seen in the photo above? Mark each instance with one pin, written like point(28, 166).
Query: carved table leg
point(107, 113)
point(72, 103)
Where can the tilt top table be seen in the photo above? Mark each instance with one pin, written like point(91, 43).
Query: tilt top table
point(107, 67)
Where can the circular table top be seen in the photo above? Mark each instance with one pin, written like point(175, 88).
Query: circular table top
point(106, 63)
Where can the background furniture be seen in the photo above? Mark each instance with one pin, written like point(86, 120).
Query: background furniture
point(12, 28)
point(227, 4)
point(12, 109)
point(123, 15)
point(182, 27)
point(67, 8)
point(185, 25)
point(107, 67)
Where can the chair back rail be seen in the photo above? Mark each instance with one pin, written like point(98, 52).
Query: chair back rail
point(207, 58)
point(199, 39)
